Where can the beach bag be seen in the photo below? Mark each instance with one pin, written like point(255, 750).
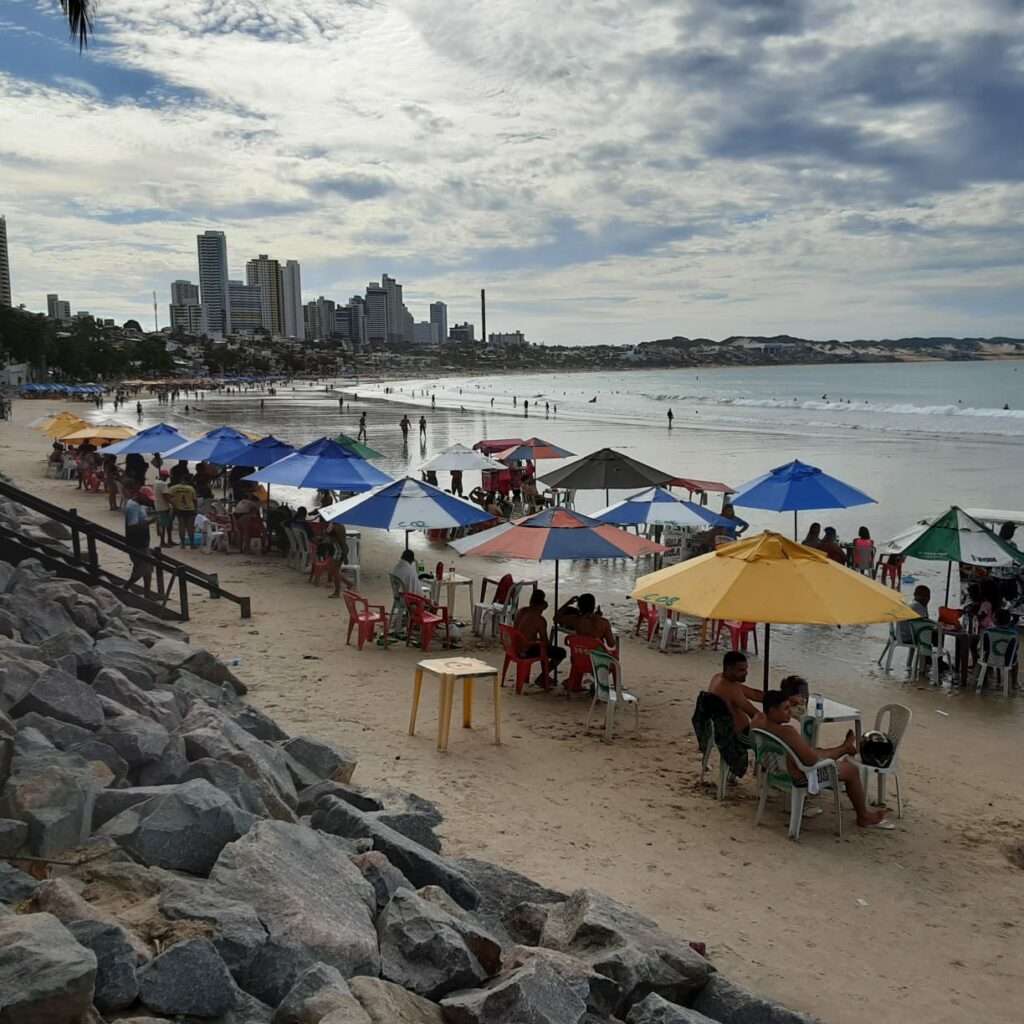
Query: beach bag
point(876, 749)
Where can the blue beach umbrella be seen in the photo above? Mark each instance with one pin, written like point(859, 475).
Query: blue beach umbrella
point(263, 452)
point(657, 507)
point(153, 440)
point(797, 487)
point(210, 447)
point(407, 504)
point(323, 465)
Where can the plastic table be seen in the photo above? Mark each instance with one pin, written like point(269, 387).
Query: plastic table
point(810, 724)
point(450, 583)
point(448, 671)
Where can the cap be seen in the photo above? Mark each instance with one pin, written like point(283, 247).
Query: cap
point(164, 473)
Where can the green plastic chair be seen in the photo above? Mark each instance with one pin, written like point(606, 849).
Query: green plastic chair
point(607, 673)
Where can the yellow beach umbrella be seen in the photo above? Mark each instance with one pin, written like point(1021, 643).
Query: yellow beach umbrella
point(98, 434)
point(62, 423)
point(769, 578)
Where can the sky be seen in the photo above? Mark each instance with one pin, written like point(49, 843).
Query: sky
point(611, 171)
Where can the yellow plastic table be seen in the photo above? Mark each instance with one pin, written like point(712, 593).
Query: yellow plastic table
point(448, 670)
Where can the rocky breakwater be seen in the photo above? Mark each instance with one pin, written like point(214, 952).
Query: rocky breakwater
point(169, 853)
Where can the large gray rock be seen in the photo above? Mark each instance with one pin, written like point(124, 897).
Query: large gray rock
point(76, 646)
point(254, 722)
point(312, 900)
point(184, 830)
point(159, 705)
point(116, 986)
point(148, 629)
point(601, 994)
point(188, 688)
point(58, 695)
point(311, 796)
point(209, 733)
point(112, 802)
point(426, 949)
point(387, 1003)
point(7, 727)
point(52, 792)
point(135, 738)
point(724, 1000)
point(20, 667)
point(230, 780)
point(40, 617)
point(46, 977)
point(93, 750)
point(385, 878)
point(30, 741)
point(420, 865)
point(325, 760)
point(13, 836)
point(168, 768)
point(190, 978)
point(318, 991)
point(656, 1010)
point(15, 885)
point(617, 942)
point(61, 735)
point(171, 655)
point(129, 657)
point(533, 994)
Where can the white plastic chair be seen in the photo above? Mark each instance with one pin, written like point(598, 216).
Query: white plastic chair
point(999, 648)
point(864, 560)
point(607, 673)
point(213, 536)
point(292, 555)
point(304, 553)
point(723, 768)
point(770, 759)
point(491, 616)
point(921, 644)
point(677, 625)
point(895, 729)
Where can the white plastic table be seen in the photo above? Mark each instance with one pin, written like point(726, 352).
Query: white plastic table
point(810, 724)
point(450, 583)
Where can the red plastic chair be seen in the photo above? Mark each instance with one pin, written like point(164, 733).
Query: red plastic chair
point(579, 659)
point(891, 571)
point(649, 615)
point(510, 641)
point(366, 616)
point(738, 634)
point(318, 567)
point(427, 616)
point(250, 528)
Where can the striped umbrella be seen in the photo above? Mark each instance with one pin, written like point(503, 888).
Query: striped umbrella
point(658, 507)
point(533, 449)
point(323, 465)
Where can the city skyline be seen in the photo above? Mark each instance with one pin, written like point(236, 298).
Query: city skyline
point(624, 172)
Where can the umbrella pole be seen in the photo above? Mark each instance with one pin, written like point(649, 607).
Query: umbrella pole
point(949, 576)
point(554, 625)
point(406, 540)
point(767, 651)
point(796, 532)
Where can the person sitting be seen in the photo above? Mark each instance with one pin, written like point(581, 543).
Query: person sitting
point(479, 496)
point(831, 546)
point(300, 521)
point(491, 506)
point(738, 527)
point(405, 570)
point(532, 628)
point(1006, 532)
point(728, 684)
point(813, 538)
point(863, 538)
point(580, 616)
point(798, 691)
point(775, 719)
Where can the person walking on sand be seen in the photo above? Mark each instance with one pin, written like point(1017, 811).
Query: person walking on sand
point(405, 424)
point(526, 407)
point(671, 417)
point(138, 410)
point(361, 436)
point(423, 428)
point(136, 534)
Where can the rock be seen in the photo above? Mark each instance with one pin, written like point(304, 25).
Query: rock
point(619, 943)
point(418, 864)
point(724, 1000)
point(310, 797)
point(116, 986)
point(40, 617)
point(429, 951)
point(6, 577)
point(77, 645)
point(129, 657)
point(31, 741)
point(413, 826)
point(7, 727)
point(10, 625)
point(13, 835)
point(325, 760)
point(55, 694)
point(230, 780)
point(158, 705)
point(211, 668)
point(312, 900)
point(237, 933)
point(385, 878)
point(61, 735)
point(318, 991)
point(387, 1003)
point(188, 688)
point(254, 722)
point(15, 885)
point(170, 767)
point(94, 750)
point(46, 977)
point(601, 994)
point(183, 830)
point(209, 733)
point(248, 1010)
point(20, 667)
point(112, 802)
point(655, 1010)
point(533, 994)
point(135, 738)
point(52, 792)
point(148, 629)
point(191, 978)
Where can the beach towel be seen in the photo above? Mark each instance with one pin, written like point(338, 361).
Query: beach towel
point(712, 722)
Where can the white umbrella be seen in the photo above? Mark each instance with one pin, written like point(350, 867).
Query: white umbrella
point(459, 457)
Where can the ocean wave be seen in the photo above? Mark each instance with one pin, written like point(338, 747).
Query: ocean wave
point(897, 409)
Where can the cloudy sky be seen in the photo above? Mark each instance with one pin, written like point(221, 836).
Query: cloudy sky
point(610, 170)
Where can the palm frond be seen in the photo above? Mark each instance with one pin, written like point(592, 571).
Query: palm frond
point(80, 18)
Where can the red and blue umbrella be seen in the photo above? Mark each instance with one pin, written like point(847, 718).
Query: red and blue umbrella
point(533, 449)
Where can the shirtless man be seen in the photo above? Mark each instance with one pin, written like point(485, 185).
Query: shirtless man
point(728, 684)
point(336, 535)
point(532, 628)
point(775, 718)
point(585, 620)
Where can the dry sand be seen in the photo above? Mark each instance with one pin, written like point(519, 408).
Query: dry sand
point(940, 937)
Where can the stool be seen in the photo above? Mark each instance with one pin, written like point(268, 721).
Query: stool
point(448, 670)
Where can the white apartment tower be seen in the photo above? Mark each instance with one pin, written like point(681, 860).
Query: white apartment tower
point(266, 273)
point(213, 283)
point(5, 266)
point(184, 293)
point(294, 319)
point(439, 319)
point(395, 310)
point(57, 309)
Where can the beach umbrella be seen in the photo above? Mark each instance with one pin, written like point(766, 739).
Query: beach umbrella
point(406, 504)
point(952, 537)
point(62, 423)
point(658, 507)
point(259, 453)
point(459, 457)
point(606, 470)
point(324, 465)
point(364, 451)
point(533, 449)
point(771, 579)
point(153, 440)
point(798, 487)
point(210, 447)
point(556, 534)
point(98, 434)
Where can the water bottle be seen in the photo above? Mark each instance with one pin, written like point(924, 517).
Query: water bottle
point(233, 662)
point(819, 706)
point(419, 568)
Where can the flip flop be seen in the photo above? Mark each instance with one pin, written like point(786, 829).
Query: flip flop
point(884, 825)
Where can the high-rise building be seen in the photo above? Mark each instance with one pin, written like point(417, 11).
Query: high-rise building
point(464, 333)
point(408, 327)
point(321, 319)
point(184, 293)
point(376, 315)
point(439, 318)
point(291, 281)
point(213, 283)
point(355, 313)
point(5, 266)
point(424, 333)
point(266, 273)
point(396, 317)
point(245, 304)
point(188, 319)
point(57, 309)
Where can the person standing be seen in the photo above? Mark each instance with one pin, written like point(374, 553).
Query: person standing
point(423, 428)
point(405, 423)
point(671, 417)
point(182, 496)
point(162, 505)
point(457, 482)
point(361, 436)
point(138, 410)
point(136, 534)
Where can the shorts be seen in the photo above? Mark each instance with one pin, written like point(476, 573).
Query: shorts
point(555, 654)
point(165, 517)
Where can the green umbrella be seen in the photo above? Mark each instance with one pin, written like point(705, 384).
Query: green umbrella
point(362, 450)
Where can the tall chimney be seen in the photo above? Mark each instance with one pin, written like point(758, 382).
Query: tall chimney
point(483, 316)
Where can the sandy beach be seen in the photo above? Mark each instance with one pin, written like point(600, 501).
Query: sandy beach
point(938, 933)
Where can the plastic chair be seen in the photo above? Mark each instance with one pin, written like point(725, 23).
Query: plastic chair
point(678, 625)
point(895, 729)
point(212, 537)
point(999, 648)
point(485, 612)
point(510, 640)
point(862, 559)
point(770, 760)
point(738, 634)
point(891, 570)
point(320, 565)
point(649, 615)
point(366, 617)
point(723, 768)
point(304, 554)
point(426, 617)
point(607, 673)
point(250, 528)
point(580, 648)
point(950, 617)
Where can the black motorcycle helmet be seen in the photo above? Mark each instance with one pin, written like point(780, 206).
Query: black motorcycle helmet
point(876, 749)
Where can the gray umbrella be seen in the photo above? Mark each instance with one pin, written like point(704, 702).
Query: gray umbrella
point(607, 470)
